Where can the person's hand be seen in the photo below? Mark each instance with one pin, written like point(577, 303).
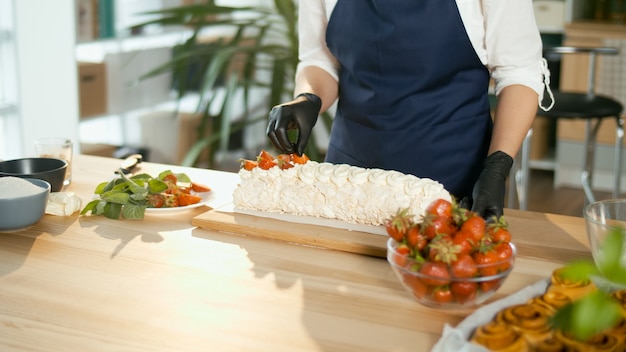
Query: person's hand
point(489, 189)
point(300, 114)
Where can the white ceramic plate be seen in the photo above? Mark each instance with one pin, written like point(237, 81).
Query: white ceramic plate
point(206, 198)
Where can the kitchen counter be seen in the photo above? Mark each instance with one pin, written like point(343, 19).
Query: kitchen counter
point(88, 283)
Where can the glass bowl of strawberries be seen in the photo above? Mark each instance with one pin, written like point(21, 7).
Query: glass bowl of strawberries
point(450, 257)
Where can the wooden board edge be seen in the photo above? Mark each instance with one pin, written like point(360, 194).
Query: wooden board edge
point(311, 235)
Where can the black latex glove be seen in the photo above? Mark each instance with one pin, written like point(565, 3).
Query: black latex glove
point(488, 192)
point(300, 114)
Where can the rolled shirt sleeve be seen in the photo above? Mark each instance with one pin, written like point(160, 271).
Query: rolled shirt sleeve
point(313, 19)
point(506, 38)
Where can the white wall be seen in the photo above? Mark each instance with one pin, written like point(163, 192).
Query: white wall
point(47, 74)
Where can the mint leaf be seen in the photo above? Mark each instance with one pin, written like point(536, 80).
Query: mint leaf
point(181, 177)
point(156, 186)
point(580, 270)
point(113, 210)
point(90, 207)
point(131, 211)
point(116, 197)
point(164, 173)
point(100, 188)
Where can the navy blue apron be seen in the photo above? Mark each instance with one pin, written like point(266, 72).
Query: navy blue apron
point(413, 94)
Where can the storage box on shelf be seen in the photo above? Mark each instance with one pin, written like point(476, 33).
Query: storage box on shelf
point(92, 85)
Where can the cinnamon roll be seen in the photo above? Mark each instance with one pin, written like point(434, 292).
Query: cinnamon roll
point(531, 320)
point(620, 297)
point(599, 342)
point(499, 337)
point(575, 289)
point(552, 344)
point(552, 300)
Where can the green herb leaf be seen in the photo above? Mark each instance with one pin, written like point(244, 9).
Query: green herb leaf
point(131, 211)
point(100, 188)
point(116, 197)
point(612, 253)
point(181, 177)
point(580, 270)
point(156, 186)
point(90, 207)
point(112, 210)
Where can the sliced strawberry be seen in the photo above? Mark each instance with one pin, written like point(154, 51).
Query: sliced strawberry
point(200, 188)
point(249, 164)
point(299, 159)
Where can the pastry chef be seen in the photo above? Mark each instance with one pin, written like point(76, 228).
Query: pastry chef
point(412, 79)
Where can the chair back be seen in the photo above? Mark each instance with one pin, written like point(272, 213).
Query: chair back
point(593, 53)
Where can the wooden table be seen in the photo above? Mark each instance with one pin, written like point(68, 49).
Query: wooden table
point(93, 284)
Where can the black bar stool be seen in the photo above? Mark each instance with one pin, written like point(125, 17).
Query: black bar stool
point(591, 107)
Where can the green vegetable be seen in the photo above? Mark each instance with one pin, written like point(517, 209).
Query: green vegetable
point(128, 197)
point(597, 311)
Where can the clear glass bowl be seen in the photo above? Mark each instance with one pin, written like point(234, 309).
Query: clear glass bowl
point(602, 218)
point(464, 292)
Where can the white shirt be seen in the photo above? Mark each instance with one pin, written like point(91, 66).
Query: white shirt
point(504, 35)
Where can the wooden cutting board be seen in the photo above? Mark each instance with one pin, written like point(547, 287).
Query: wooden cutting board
point(309, 234)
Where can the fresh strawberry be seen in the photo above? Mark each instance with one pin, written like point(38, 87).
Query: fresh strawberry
point(441, 208)
point(170, 178)
point(415, 239)
point(436, 274)
point(170, 201)
point(442, 294)
point(463, 291)
point(498, 230)
point(398, 224)
point(442, 250)
point(504, 252)
point(465, 241)
point(486, 259)
point(475, 225)
point(464, 266)
point(401, 258)
point(433, 225)
point(155, 200)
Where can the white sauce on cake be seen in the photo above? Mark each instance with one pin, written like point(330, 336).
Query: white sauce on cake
point(348, 193)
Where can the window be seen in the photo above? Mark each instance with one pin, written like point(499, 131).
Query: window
point(10, 145)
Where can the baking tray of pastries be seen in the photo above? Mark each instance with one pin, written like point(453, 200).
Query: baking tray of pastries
point(521, 322)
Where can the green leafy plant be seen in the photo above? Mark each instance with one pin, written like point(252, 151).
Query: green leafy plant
point(257, 55)
point(597, 311)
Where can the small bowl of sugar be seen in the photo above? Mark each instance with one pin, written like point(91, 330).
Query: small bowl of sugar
point(23, 202)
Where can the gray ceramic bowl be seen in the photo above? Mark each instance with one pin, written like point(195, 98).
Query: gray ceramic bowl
point(48, 169)
point(20, 212)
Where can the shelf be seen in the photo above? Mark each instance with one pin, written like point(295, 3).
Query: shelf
point(97, 49)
